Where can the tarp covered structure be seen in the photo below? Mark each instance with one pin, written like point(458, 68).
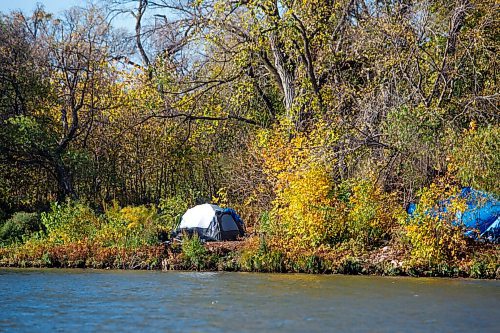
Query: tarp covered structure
point(482, 213)
point(212, 223)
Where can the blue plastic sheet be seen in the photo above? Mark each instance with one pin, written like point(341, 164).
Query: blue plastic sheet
point(482, 213)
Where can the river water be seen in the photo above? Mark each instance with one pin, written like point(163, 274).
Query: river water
point(87, 300)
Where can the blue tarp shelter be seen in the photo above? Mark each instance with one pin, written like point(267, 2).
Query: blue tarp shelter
point(482, 213)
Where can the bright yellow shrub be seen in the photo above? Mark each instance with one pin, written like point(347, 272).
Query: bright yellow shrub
point(302, 187)
point(431, 233)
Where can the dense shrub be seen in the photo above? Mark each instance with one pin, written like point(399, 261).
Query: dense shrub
point(303, 183)
point(431, 233)
point(130, 226)
point(372, 214)
point(127, 227)
point(476, 159)
point(70, 222)
point(171, 210)
point(195, 254)
point(20, 225)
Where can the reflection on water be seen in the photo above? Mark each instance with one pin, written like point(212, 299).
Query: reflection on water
point(86, 300)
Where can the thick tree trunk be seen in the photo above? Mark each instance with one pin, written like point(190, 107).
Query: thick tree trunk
point(286, 75)
point(64, 181)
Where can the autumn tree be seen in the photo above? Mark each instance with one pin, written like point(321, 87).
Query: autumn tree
point(71, 66)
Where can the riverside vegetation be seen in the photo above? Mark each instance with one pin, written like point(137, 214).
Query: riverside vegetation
point(318, 121)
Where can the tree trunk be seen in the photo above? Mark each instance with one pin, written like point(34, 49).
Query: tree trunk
point(286, 75)
point(64, 181)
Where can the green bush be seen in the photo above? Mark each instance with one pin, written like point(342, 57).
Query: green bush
point(171, 210)
point(264, 225)
point(127, 227)
point(70, 222)
point(476, 158)
point(20, 225)
point(372, 213)
point(130, 227)
point(194, 252)
point(485, 265)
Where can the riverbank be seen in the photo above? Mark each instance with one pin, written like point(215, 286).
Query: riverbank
point(249, 255)
point(73, 235)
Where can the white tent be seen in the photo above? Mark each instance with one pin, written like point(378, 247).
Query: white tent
point(211, 222)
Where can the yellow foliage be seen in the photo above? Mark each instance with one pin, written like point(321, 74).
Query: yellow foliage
point(221, 198)
point(303, 186)
point(431, 233)
point(310, 209)
point(372, 213)
point(303, 205)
